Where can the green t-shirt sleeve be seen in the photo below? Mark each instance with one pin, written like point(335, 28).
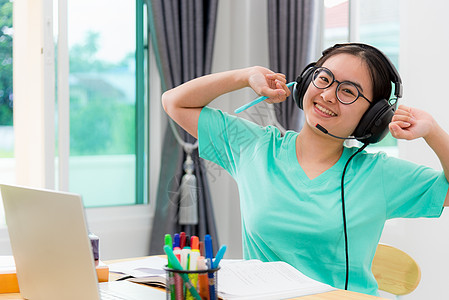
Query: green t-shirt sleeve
point(225, 139)
point(412, 190)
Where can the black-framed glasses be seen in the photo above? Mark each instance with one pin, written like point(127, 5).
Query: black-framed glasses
point(347, 92)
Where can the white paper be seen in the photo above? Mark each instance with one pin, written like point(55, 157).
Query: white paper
point(237, 279)
point(139, 268)
point(254, 279)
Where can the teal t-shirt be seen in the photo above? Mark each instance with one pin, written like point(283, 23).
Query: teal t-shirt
point(286, 216)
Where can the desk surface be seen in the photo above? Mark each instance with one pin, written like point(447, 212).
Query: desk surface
point(334, 295)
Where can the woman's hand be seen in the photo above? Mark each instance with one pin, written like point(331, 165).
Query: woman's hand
point(411, 123)
point(269, 84)
point(185, 102)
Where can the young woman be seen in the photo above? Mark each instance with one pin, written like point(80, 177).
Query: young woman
point(292, 188)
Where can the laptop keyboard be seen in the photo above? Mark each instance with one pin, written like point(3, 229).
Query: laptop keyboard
point(108, 295)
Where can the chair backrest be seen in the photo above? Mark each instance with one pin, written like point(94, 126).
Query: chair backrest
point(396, 272)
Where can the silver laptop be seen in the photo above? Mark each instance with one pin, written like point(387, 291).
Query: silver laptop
point(52, 251)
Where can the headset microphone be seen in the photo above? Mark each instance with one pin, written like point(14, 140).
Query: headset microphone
point(324, 130)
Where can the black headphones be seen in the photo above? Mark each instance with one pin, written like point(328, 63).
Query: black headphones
point(373, 125)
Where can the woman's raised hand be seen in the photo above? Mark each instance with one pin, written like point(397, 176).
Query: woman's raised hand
point(411, 123)
point(269, 84)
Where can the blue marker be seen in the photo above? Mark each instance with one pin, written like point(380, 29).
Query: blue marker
point(257, 100)
point(176, 240)
point(209, 257)
point(219, 256)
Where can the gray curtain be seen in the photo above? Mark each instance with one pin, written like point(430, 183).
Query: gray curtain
point(290, 34)
point(182, 34)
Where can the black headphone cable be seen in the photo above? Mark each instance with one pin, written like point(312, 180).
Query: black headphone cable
point(344, 211)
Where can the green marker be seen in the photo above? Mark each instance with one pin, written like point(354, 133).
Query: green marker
point(171, 279)
point(176, 265)
point(168, 240)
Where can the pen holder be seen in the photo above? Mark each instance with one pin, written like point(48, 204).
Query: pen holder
point(203, 281)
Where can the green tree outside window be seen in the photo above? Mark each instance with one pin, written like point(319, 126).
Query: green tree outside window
point(6, 92)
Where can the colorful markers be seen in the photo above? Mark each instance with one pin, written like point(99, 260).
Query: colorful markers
point(184, 254)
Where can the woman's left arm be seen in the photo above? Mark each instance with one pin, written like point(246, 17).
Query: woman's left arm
point(411, 123)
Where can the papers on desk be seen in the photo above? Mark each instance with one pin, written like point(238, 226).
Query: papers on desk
point(237, 279)
point(253, 279)
point(148, 270)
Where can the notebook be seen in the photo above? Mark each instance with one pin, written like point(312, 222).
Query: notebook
point(52, 251)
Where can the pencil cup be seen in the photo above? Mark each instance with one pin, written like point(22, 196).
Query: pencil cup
point(191, 285)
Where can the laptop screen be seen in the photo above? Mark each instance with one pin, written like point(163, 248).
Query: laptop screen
point(50, 243)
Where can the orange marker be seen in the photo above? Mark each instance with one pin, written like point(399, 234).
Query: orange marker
point(203, 282)
point(195, 242)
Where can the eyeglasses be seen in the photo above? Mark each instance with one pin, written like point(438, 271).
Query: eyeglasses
point(347, 92)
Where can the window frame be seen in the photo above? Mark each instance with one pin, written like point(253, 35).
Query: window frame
point(50, 167)
point(141, 115)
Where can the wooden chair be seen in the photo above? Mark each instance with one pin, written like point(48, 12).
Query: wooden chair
point(396, 272)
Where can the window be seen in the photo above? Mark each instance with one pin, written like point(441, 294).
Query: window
point(6, 98)
point(107, 109)
point(375, 22)
point(6, 95)
point(336, 22)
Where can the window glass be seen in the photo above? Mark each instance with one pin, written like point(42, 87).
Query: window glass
point(376, 23)
point(7, 164)
point(6, 94)
point(336, 22)
point(102, 45)
point(379, 26)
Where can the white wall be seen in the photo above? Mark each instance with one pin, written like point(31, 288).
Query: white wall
point(424, 46)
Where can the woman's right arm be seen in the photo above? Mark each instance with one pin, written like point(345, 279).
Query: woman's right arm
point(184, 103)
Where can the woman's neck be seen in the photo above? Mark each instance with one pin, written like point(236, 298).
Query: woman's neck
point(316, 152)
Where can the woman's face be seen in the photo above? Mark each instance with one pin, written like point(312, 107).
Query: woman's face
point(321, 105)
